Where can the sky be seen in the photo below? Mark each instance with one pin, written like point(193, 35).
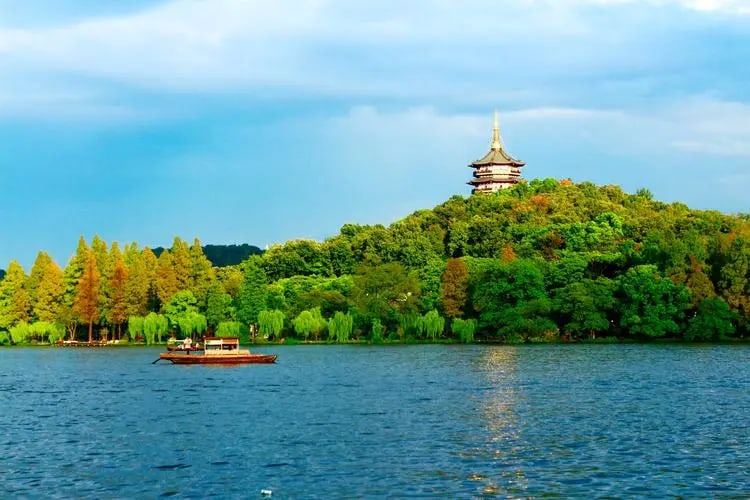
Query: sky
point(263, 121)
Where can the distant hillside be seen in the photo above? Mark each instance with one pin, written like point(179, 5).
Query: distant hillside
point(224, 255)
point(2, 274)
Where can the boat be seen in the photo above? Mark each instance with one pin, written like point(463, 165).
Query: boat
point(218, 351)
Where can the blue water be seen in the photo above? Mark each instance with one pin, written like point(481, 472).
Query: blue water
point(355, 421)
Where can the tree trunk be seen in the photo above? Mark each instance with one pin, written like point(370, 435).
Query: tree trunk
point(91, 331)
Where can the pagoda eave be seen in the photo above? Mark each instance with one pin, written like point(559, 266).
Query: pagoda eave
point(492, 163)
point(478, 182)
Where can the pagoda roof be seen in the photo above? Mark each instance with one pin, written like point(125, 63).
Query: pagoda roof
point(497, 157)
point(497, 154)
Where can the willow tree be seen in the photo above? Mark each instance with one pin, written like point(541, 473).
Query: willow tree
point(340, 327)
point(271, 322)
point(87, 293)
point(434, 324)
point(309, 322)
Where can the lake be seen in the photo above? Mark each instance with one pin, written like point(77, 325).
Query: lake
point(390, 421)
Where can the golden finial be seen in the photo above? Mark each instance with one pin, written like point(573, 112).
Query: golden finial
point(496, 143)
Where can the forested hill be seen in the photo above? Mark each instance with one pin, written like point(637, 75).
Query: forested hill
point(543, 261)
point(224, 255)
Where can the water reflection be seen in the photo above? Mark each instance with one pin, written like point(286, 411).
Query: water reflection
point(499, 414)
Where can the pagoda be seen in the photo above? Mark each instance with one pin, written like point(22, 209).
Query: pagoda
point(497, 169)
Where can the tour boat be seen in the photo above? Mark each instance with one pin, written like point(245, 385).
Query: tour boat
point(220, 351)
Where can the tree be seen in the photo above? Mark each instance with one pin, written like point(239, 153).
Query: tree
point(434, 324)
point(650, 305)
point(35, 277)
point(181, 265)
point(49, 295)
point(713, 321)
point(218, 305)
point(202, 275)
point(104, 265)
point(585, 306)
point(135, 327)
point(167, 284)
point(252, 297)
point(118, 306)
point(454, 288)
point(140, 285)
point(180, 309)
point(155, 326)
point(309, 322)
point(340, 327)
point(385, 292)
point(15, 303)
point(228, 329)
point(465, 329)
point(270, 323)
point(87, 294)
point(511, 299)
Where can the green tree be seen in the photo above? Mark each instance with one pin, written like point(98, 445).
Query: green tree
point(135, 327)
point(35, 277)
point(511, 299)
point(181, 265)
point(434, 324)
point(385, 292)
point(180, 308)
point(218, 305)
point(340, 327)
point(104, 266)
point(270, 323)
point(252, 297)
point(15, 303)
point(465, 329)
point(202, 274)
point(650, 305)
point(155, 327)
point(49, 294)
point(229, 329)
point(713, 321)
point(309, 322)
point(140, 286)
point(585, 306)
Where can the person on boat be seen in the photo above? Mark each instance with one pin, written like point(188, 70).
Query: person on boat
point(187, 342)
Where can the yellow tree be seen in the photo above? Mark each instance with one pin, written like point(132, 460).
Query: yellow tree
point(167, 284)
point(87, 293)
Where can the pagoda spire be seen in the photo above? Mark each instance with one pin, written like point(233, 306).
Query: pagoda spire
point(497, 143)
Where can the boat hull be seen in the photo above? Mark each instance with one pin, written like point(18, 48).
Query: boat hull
point(226, 359)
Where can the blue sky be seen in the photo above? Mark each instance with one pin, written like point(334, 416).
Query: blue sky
point(262, 121)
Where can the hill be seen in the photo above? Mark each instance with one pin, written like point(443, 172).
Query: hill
point(543, 261)
point(224, 255)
